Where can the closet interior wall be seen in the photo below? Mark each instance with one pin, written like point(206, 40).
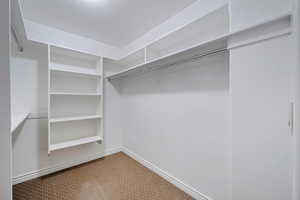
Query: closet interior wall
point(175, 108)
point(262, 92)
point(5, 136)
point(199, 123)
point(169, 118)
point(29, 71)
point(296, 172)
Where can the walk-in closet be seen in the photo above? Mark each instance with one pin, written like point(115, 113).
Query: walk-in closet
point(149, 100)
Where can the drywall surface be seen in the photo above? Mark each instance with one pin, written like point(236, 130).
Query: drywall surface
point(178, 119)
point(245, 13)
point(48, 35)
point(188, 15)
point(5, 136)
point(297, 102)
point(261, 138)
point(30, 140)
point(29, 79)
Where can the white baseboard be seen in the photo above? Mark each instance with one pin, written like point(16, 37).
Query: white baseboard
point(56, 168)
point(175, 181)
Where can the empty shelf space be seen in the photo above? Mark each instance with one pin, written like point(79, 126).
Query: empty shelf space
point(74, 94)
point(72, 69)
point(203, 49)
point(68, 119)
point(73, 143)
point(17, 120)
point(271, 28)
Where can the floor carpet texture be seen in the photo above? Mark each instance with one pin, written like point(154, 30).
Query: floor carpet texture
point(115, 177)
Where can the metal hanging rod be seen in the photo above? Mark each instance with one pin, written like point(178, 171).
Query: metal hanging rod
point(192, 59)
point(196, 57)
point(14, 34)
point(143, 69)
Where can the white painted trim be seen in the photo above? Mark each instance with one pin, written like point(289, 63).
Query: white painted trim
point(59, 167)
point(262, 38)
point(265, 22)
point(296, 140)
point(175, 181)
point(269, 29)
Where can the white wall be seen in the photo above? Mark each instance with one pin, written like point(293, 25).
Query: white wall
point(178, 119)
point(29, 91)
point(260, 82)
point(48, 35)
point(188, 15)
point(29, 79)
point(297, 103)
point(5, 136)
point(261, 138)
point(245, 13)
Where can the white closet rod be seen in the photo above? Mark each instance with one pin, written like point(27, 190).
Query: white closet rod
point(14, 34)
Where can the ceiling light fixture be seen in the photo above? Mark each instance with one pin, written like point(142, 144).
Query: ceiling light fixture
point(95, 1)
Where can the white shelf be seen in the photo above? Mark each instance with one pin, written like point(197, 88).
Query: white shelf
point(68, 119)
point(74, 94)
point(204, 48)
point(75, 104)
point(73, 69)
point(281, 25)
point(73, 143)
point(17, 120)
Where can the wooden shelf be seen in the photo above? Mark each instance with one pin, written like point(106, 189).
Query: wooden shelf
point(17, 120)
point(205, 48)
point(72, 69)
point(68, 119)
point(74, 94)
point(73, 143)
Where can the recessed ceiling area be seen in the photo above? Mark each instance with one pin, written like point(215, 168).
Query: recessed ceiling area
point(114, 22)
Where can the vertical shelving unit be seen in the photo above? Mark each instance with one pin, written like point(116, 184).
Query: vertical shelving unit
point(75, 98)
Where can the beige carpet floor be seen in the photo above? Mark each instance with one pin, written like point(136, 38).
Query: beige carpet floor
point(115, 177)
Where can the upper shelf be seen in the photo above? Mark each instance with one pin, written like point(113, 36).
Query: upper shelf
point(70, 61)
point(205, 48)
point(268, 29)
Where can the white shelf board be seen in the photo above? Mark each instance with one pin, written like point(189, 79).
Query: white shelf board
point(68, 119)
point(74, 94)
point(73, 143)
point(72, 69)
point(17, 120)
point(204, 48)
point(198, 50)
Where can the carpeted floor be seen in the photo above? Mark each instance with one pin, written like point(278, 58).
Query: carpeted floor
point(116, 177)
